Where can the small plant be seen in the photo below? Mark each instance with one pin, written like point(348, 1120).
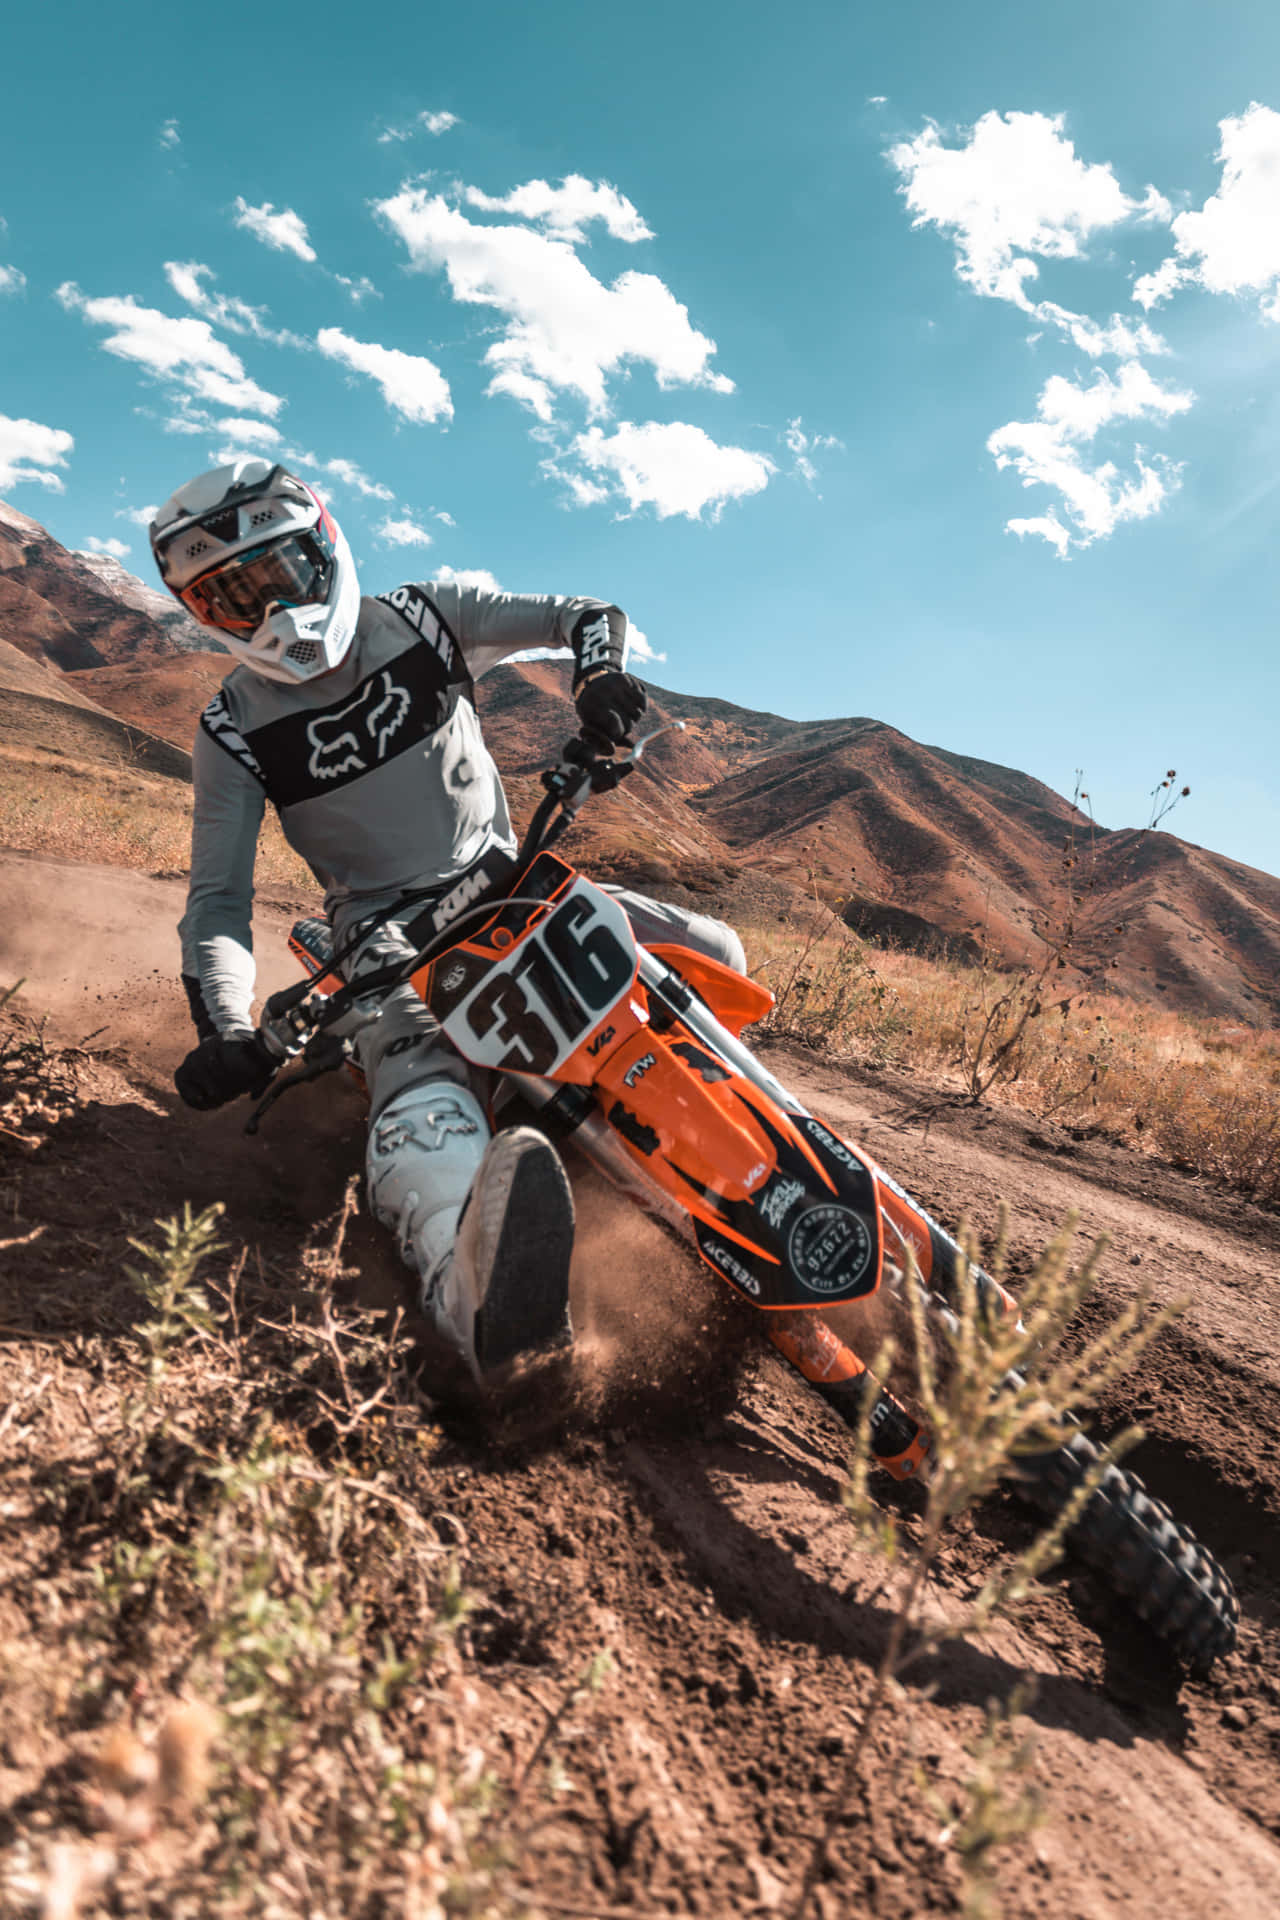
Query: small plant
point(166, 1280)
point(999, 1803)
point(1000, 1389)
point(1164, 799)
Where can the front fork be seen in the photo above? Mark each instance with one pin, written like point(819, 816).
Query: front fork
point(899, 1443)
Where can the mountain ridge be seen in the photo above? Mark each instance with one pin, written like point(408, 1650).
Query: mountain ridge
point(750, 812)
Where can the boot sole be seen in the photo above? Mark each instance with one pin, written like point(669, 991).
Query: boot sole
point(526, 1307)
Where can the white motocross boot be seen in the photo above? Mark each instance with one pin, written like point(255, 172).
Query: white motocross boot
point(488, 1224)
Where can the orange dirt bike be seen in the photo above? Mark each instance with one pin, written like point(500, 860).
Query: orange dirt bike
point(635, 1054)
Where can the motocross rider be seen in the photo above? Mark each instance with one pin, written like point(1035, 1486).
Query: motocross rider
point(355, 717)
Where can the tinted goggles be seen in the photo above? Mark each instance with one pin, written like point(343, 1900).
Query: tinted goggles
point(295, 571)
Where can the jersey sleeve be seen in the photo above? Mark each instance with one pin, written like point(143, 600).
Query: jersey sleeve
point(490, 626)
point(216, 929)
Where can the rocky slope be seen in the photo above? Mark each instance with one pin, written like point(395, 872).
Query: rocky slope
point(77, 610)
point(155, 602)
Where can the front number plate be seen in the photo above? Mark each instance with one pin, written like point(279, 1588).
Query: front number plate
point(536, 1005)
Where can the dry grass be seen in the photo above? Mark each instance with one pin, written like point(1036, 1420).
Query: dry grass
point(81, 810)
point(1201, 1093)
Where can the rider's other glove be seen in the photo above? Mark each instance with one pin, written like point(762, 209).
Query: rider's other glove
point(225, 1065)
point(609, 703)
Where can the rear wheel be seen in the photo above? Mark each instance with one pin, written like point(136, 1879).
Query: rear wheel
point(1143, 1553)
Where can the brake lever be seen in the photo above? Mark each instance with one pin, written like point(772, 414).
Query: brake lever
point(602, 769)
point(633, 758)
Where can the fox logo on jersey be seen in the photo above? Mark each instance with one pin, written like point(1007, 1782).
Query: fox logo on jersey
point(356, 737)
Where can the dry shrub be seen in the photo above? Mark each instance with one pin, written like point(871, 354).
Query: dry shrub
point(830, 989)
point(1202, 1093)
point(76, 810)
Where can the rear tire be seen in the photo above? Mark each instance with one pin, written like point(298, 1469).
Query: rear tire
point(1133, 1541)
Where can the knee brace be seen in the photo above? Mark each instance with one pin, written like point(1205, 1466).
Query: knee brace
point(425, 1146)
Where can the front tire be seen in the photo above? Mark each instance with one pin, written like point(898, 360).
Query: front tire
point(1133, 1541)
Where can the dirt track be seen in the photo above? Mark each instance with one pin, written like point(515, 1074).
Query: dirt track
point(689, 1517)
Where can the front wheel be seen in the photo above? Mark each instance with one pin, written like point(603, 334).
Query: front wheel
point(1143, 1553)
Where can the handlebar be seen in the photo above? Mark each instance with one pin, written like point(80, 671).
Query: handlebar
point(298, 1021)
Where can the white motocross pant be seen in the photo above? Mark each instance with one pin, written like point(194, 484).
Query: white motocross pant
point(428, 1130)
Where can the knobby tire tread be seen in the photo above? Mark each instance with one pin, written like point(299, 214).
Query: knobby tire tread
point(1144, 1554)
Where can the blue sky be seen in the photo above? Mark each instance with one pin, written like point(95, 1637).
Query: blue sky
point(764, 322)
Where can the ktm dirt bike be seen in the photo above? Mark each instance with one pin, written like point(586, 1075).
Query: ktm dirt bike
point(635, 1054)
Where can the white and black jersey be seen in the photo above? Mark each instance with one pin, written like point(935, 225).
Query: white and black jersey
point(378, 770)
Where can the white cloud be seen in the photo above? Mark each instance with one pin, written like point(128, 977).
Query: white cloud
point(187, 278)
point(256, 435)
point(639, 652)
point(1014, 193)
point(286, 231)
point(412, 386)
point(1232, 245)
point(260, 437)
point(1132, 395)
point(1154, 210)
point(1017, 188)
point(484, 582)
point(445, 519)
point(1149, 289)
point(565, 330)
point(1047, 452)
point(801, 446)
point(673, 467)
point(168, 135)
point(1014, 189)
point(352, 476)
point(567, 211)
point(582, 491)
point(138, 516)
point(115, 548)
point(184, 351)
point(360, 289)
point(12, 280)
point(1121, 338)
point(433, 123)
point(1048, 527)
point(403, 533)
point(30, 452)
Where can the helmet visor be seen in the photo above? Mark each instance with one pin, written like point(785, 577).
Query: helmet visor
point(296, 571)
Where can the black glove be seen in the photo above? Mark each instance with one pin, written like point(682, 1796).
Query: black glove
point(223, 1066)
point(609, 704)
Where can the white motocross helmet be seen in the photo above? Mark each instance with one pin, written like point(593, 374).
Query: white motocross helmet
point(252, 552)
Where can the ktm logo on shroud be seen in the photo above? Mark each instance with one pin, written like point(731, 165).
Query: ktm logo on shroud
point(462, 896)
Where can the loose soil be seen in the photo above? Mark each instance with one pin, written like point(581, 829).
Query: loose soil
point(681, 1507)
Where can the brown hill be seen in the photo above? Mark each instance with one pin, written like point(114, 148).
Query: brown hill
point(752, 812)
point(164, 693)
point(927, 848)
point(68, 609)
point(156, 602)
